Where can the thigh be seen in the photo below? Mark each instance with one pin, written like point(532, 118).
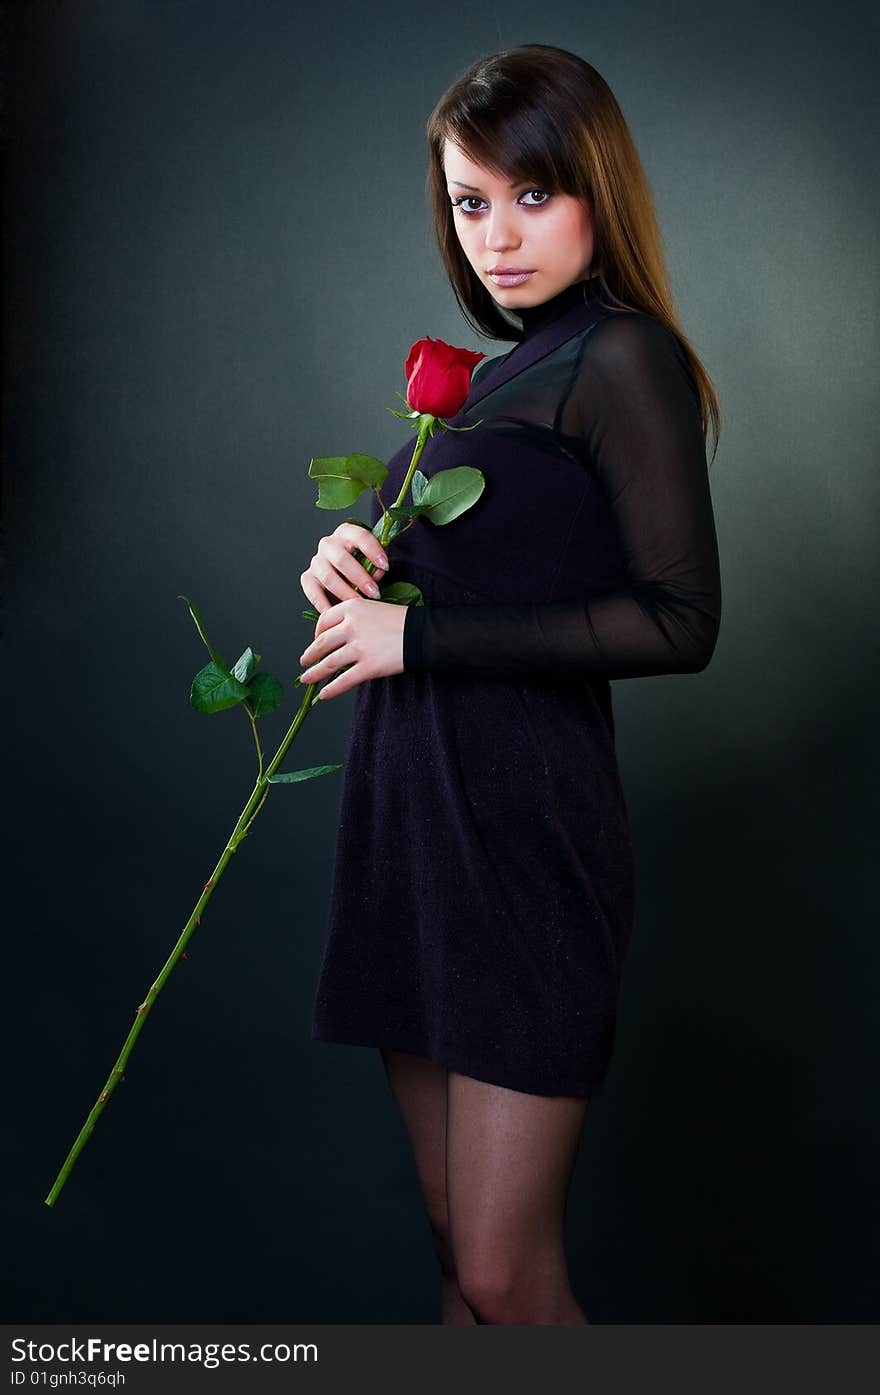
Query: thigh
point(509, 1158)
point(419, 1087)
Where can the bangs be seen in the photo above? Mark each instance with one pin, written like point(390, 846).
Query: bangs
point(516, 143)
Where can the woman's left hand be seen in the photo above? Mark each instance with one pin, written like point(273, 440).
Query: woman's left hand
point(368, 635)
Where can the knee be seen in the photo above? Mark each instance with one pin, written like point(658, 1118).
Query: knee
point(494, 1293)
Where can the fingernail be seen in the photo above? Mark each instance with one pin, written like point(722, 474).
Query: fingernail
point(372, 589)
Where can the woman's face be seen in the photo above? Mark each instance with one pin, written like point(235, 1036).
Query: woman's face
point(522, 228)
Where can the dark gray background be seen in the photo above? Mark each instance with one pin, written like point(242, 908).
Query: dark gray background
point(217, 252)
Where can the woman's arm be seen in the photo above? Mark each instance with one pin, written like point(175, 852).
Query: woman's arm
point(635, 406)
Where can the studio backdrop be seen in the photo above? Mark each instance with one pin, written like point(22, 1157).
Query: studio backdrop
point(217, 253)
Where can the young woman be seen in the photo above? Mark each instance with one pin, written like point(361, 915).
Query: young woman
point(483, 892)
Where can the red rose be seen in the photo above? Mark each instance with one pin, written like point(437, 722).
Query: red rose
point(438, 377)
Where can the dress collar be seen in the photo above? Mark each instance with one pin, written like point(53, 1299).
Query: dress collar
point(536, 317)
point(577, 315)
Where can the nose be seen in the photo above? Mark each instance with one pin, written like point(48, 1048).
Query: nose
point(501, 234)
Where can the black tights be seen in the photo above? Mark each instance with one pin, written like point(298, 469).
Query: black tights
point(494, 1166)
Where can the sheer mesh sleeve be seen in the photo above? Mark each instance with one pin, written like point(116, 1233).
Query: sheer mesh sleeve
point(634, 406)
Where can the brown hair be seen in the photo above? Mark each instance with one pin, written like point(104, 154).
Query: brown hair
point(539, 112)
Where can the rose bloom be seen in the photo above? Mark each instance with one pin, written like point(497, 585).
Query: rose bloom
point(438, 376)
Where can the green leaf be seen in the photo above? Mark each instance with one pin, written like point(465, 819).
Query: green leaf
point(400, 514)
point(464, 428)
point(214, 689)
point(419, 483)
point(402, 593)
point(244, 666)
point(450, 493)
point(294, 776)
point(264, 693)
point(343, 478)
point(215, 653)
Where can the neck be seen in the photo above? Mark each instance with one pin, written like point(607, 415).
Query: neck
point(535, 317)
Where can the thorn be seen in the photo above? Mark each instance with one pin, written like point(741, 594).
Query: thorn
point(184, 955)
point(103, 1095)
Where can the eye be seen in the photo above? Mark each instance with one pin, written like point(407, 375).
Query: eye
point(472, 198)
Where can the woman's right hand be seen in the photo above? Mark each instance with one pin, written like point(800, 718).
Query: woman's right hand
point(334, 575)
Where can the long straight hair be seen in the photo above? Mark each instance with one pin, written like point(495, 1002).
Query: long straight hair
point(541, 113)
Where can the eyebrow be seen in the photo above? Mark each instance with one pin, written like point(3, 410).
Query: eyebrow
point(514, 184)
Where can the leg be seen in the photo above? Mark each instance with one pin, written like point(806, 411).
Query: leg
point(509, 1158)
point(419, 1087)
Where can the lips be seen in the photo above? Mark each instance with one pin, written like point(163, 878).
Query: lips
point(510, 270)
point(508, 279)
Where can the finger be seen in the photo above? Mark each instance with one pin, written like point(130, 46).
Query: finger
point(315, 593)
point(335, 615)
point(325, 667)
point(327, 653)
point(366, 541)
point(339, 555)
point(352, 676)
point(331, 579)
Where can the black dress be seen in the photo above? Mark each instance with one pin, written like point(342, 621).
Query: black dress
point(483, 891)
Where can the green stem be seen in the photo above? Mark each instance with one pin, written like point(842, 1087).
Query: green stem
point(253, 721)
point(424, 431)
point(241, 829)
